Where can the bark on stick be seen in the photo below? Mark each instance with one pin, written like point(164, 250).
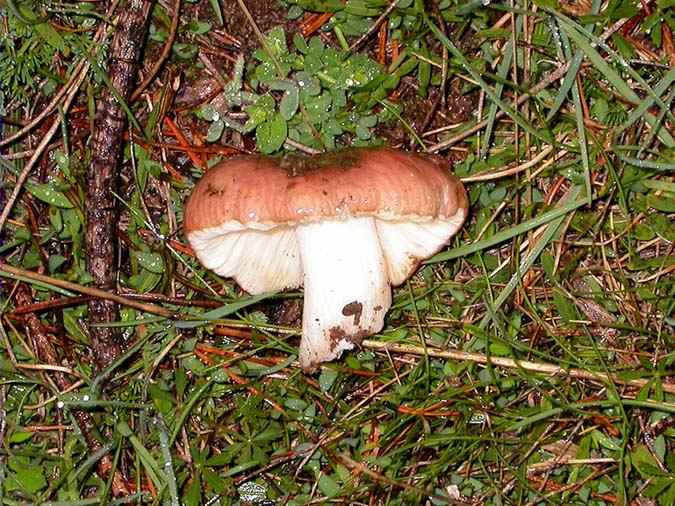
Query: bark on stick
point(102, 174)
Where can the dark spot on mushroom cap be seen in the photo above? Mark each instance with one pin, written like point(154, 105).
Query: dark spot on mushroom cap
point(212, 191)
point(355, 309)
point(299, 165)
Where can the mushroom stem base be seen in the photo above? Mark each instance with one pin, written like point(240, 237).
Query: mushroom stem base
point(347, 289)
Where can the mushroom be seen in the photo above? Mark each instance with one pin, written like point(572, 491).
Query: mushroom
point(347, 225)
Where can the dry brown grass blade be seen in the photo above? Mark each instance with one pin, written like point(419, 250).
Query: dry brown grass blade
point(166, 50)
point(539, 367)
point(94, 292)
point(39, 150)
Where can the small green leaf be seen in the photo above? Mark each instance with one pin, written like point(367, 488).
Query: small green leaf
point(71, 322)
point(645, 462)
point(259, 112)
point(665, 204)
point(424, 72)
point(362, 133)
point(161, 398)
point(295, 404)
point(657, 486)
point(48, 193)
point(56, 219)
point(185, 51)
point(124, 429)
point(193, 494)
point(31, 479)
point(271, 433)
point(55, 261)
point(328, 486)
point(220, 460)
point(214, 482)
point(20, 437)
point(327, 379)
point(270, 136)
point(51, 37)
point(241, 468)
point(300, 43)
point(151, 261)
point(289, 103)
point(198, 27)
point(566, 309)
point(181, 380)
point(145, 281)
point(215, 131)
point(62, 162)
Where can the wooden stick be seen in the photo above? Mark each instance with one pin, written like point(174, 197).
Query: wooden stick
point(94, 292)
point(102, 175)
point(540, 367)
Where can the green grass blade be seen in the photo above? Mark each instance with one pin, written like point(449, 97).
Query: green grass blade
point(648, 164)
point(549, 234)
point(149, 463)
point(570, 77)
point(577, 35)
point(505, 235)
point(222, 312)
point(168, 462)
point(575, 65)
point(187, 409)
point(517, 118)
point(502, 70)
point(661, 87)
point(581, 128)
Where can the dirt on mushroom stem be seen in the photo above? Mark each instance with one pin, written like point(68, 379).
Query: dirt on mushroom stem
point(338, 335)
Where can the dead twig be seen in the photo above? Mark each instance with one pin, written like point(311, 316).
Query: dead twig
point(540, 367)
point(373, 28)
point(102, 174)
point(50, 107)
point(544, 83)
point(491, 175)
point(557, 74)
point(64, 91)
point(37, 154)
point(93, 292)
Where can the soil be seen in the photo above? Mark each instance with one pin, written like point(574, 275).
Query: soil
point(287, 312)
point(267, 14)
point(458, 107)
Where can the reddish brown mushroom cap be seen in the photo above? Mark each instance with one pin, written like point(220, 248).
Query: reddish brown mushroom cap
point(382, 183)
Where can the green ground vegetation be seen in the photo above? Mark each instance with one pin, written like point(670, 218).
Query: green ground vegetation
point(558, 116)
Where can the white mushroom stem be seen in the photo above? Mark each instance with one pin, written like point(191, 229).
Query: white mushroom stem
point(347, 290)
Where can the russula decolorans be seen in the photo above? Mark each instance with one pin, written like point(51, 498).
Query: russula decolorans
point(347, 225)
